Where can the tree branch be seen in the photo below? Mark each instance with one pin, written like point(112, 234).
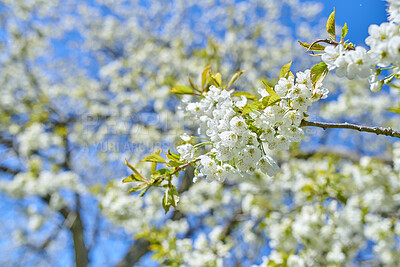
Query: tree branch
point(141, 246)
point(76, 228)
point(360, 128)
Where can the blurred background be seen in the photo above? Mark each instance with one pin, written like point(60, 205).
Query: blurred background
point(85, 84)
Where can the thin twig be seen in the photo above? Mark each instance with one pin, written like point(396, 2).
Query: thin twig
point(360, 128)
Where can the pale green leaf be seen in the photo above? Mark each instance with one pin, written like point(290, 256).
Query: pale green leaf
point(173, 156)
point(272, 99)
point(132, 178)
point(192, 83)
point(314, 47)
point(134, 170)
point(204, 76)
point(318, 74)
point(251, 106)
point(246, 94)
point(217, 79)
point(153, 158)
point(181, 89)
point(330, 26)
point(138, 188)
point(285, 70)
point(345, 29)
point(234, 78)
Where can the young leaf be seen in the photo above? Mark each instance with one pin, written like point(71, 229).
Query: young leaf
point(144, 190)
point(153, 158)
point(318, 74)
point(173, 156)
point(161, 172)
point(246, 94)
point(330, 26)
point(314, 47)
point(132, 178)
point(234, 78)
point(165, 203)
point(395, 110)
point(134, 170)
point(250, 107)
point(174, 196)
point(345, 29)
point(272, 99)
point(171, 198)
point(204, 76)
point(217, 79)
point(285, 70)
point(181, 89)
point(154, 164)
point(137, 188)
point(192, 84)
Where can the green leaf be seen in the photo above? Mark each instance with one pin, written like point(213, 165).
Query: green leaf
point(284, 73)
point(272, 99)
point(345, 29)
point(217, 79)
point(134, 170)
point(388, 80)
point(204, 76)
point(171, 198)
point(269, 101)
point(146, 188)
point(174, 197)
point(246, 94)
point(395, 110)
point(250, 107)
point(173, 156)
point(165, 204)
point(192, 84)
point(314, 47)
point(154, 164)
point(138, 188)
point(160, 172)
point(132, 178)
point(181, 89)
point(318, 74)
point(153, 158)
point(330, 26)
point(234, 78)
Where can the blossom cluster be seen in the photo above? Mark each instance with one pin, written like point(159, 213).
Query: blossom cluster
point(384, 43)
point(238, 137)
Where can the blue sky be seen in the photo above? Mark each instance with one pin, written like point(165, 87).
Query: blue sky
point(358, 14)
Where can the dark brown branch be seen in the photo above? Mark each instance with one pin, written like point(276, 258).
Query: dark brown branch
point(8, 170)
point(360, 128)
point(76, 228)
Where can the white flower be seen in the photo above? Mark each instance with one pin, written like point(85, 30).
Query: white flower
point(375, 84)
point(242, 102)
point(228, 138)
point(267, 165)
point(332, 55)
point(186, 151)
point(284, 85)
point(359, 63)
point(185, 137)
point(238, 125)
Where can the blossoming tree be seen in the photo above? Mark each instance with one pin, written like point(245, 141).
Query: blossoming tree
point(87, 83)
